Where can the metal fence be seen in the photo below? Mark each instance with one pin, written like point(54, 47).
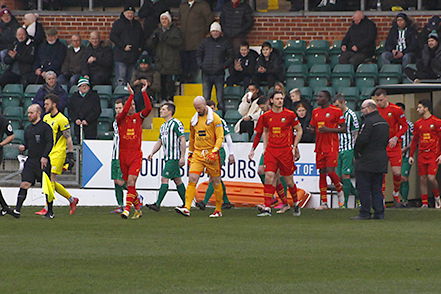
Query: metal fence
point(10, 173)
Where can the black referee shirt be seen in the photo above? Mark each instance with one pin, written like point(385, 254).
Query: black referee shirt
point(5, 128)
point(38, 140)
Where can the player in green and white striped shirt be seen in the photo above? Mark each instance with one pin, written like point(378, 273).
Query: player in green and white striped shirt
point(405, 166)
point(210, 190)
point(172, 139)
point(346, 149)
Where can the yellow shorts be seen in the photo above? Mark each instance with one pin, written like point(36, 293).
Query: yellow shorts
point(199, 164)
point(57, 163)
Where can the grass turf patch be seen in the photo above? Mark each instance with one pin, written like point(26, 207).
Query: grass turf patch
point(94, 251)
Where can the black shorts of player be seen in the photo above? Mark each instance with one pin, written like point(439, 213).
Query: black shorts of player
point(32, 171)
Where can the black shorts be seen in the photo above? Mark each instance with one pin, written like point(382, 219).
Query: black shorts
point(32, 171)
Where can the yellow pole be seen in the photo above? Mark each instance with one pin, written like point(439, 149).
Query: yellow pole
point(273, 4)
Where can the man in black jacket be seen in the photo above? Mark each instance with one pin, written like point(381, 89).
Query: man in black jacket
point(8, 28)
point(84, 110)
point(244, 66)
point(20, 58)
point(237, 20)
point(127, 35)
point(401, 43)
point(359, 42)
point(213, 57)
point(269, 66)
point(98, 61)
point(371, 161)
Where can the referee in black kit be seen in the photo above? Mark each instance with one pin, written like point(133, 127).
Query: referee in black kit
point(38, 140)
point(5, 128)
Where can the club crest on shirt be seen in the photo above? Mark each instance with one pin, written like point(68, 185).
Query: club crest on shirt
point(432, 126)
point(271, 119)
point(327, 115)
point(283, 119)
point(389, 114)
point(134, 120)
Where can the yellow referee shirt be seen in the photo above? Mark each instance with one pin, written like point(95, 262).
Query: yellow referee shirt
point(58, 123)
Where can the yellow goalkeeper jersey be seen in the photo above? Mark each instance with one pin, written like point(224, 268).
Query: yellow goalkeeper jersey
point(58, 123)
point(206, 137)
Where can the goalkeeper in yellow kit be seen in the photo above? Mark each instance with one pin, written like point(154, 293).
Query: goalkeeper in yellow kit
point(206, 137)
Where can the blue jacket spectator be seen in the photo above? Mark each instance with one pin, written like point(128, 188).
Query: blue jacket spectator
point(51, 87)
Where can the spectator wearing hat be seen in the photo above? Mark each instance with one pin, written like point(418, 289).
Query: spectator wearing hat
point(97, 61)
point(195, 17)
point(8, 28)
point(144, 73)
point(84, 110)
point(51, 86)
point(71, 68)
point(149, 14)
point(359, 41)
point(214, 55)
point(401, 43)
point(50, 56)
point(127, 36)
point(269, 66)
point(34, 28)
point(429, 65)
point(166, 41)
point(20, 59)
point(237, 20)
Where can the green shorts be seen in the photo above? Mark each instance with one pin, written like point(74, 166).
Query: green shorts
point(261, 161)
point(345, 162)
point(222, 155)
point(405, 167)
point(171, 169)
point(115, 172)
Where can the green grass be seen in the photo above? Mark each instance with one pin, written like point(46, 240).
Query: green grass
point(319, 252)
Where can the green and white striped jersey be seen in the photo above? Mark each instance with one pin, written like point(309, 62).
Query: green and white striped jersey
point(347, 140)
point(115, 150)
point(226, 130)
point(407, 138)
point(169, 134)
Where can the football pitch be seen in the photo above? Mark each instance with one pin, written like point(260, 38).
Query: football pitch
point(94, 251)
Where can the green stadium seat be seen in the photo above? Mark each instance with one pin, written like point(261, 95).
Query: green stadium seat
point(10, 152)
point(292, 83)
point(342, 75)
point(335, 47)
point(104, 91)
point(232, 116)
point(107, 114)
point(27, 101)
point(366, 75)
point(103, 126)
point(16, 124)
point(307, 93)
point(31, 90)
point(352, 96)
point(380, 48)
point(297, 71)
point(390, 74)
point(219, 112)
point(231, 104)
point(316, 59)
point(239, 137)
point(318, 47)
point(278, 44)
point(104, 102)
point(293, 58)
point(120, 91)
point(18, 137)
point(73, 89)
point(334, 60)
point(10, 101)
point(13, 112)
point(319, 75)
point(233, 93)
point(13, 90)
point(329, 89)
point(64, 87)
point(295, 47)
point(26, 123)
point(366, 93)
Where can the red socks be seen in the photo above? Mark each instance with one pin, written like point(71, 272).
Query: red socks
point(268, 192)
point(435, 193)
point(425, 199)
point(323, 185)
point(336, 180)
point(131, 198)
point(397, 183)
point(281, 193)
point(293, 192)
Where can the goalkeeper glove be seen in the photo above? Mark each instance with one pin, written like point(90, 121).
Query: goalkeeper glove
point(70, 160)
point(213, 156)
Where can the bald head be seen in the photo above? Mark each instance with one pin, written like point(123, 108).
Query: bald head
point(368, 106)
point(34, 113)
point(358, 16)
point(200, 104)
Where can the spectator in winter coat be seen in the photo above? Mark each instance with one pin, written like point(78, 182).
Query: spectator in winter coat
point(98, 61)
point(8, 28)
point(195, 17)
point(149, 14)
point(401, 43)
point(214, 56)
point(50, 56)
point(127, 35)
point(144, 73)
point(250, 111)
point(71, 68)
point(166, 42)
point(51, 86)
point(236, 20)
point(84, 110)
point(34, 28)
point(269, 67)
point(20, 58)
point(244, 66)
point(359, 42)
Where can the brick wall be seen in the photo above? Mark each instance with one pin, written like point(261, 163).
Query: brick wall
point(265, 28)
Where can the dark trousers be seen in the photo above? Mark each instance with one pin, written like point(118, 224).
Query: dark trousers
point(89, 132)
point(239, 78)
point(208, 81)
point(353, 58)
point(168, 87)
point(189, 65)
point(247, 127)
point(369, 190)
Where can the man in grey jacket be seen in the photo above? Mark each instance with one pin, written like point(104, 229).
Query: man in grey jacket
point(371, 161)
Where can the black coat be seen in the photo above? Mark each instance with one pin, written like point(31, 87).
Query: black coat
point(411, 39)
point(24, 58)
point(125, 32)
point(102, 66)
point(371, 143)
point(362, 35)
point(214, 55)
point(248, 63)
point(40, 35)
point(7, 32)
point(236, 22)
point(50, 57)
point(274, 65)
point(430, 62)
point(86, 108)
point(149, 13)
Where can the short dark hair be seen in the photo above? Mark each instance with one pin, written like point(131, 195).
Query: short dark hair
point(301, 105)
point(262, 100)
point(54, 98)
point(170, 106)
point(267, 44)
point(119, 100)
point(327, 93)
point(425, 103)
point(399, 104)
point(380, 92)
point(276, 92)
point(245, 44)
point(211, 103)
point(340, 97)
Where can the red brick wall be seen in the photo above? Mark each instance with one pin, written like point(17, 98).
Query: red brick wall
point(265, 28)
